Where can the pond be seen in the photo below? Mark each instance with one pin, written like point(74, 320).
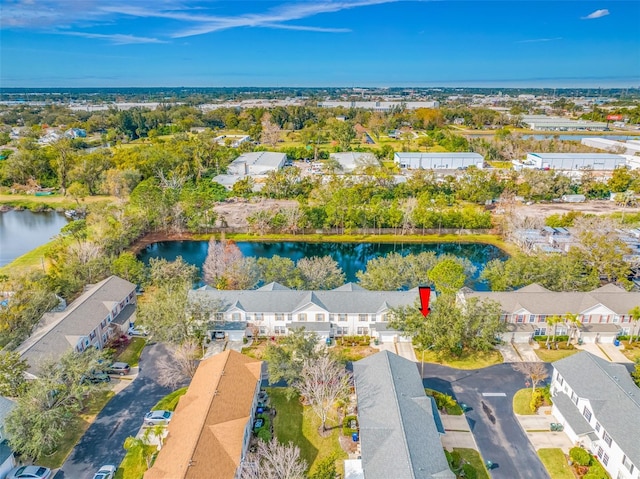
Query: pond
point(22, 231)
point(557, 136)
point(352, 257)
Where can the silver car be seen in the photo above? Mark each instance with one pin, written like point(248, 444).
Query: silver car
point(29, 472)
point(157, 417)
point(105, 472)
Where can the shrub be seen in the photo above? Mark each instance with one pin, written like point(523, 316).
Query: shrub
point(537, 399)
point(469, 471)
point(596, 471)
point(580, 456)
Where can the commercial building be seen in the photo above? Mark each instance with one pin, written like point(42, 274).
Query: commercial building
point(255, 165)
point(629, 147)
point(352, 160)
point(599, 406)
point(438, 161)
point(573, 161)
point(397, 422)
point(380, 105)
point(603, 313)
point(553, 123)
point(276, 310)
point(211, 428)
point(105, 310)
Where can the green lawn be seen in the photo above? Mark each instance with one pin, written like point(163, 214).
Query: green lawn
point(131, 354)
point(521, 401)
point(556, 463)
point(632, 351)
point(466, 361)
point(551, 355)
point(134, 464)
point(76, 429)
point(170, 401)
point(298, 424)
point(444, 400)
point(473, 457)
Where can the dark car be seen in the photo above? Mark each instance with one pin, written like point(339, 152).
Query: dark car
point(119, 368)
point(96, 377)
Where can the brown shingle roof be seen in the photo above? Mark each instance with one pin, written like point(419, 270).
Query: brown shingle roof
point(206, 433)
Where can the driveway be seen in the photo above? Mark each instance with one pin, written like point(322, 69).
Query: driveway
point(121, 418)
point(489, 394)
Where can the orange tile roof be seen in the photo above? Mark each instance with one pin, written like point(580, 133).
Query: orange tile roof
point(206, 433)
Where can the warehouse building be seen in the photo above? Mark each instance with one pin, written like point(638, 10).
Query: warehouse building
point(255, 165)
point(351, 160)
point(438, 161)
point(630, 147)
point(574, 161)
point(551, 123)
point(380, 105)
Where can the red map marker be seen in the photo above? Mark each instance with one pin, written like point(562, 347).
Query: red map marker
point(425, 294)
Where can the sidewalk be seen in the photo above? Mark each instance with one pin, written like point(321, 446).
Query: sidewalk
point(537, 427)
point(509, 354)
point(527, 352)
point(457, 433)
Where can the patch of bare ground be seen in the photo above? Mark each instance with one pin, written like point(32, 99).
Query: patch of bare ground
point(234, 213)
point(542, 210)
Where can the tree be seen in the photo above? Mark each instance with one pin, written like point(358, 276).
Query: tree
point(573, 323)
point(137, 447)
point(636, 373)
point(270, 132)
point(78, 191)
point(179, 365)
point(344, 133)
point(535, 372)
point(128, 267)
point(279, 269)
point(634, 316)
point(325, 469)
point(320, 273)
point(323, 381)
point(12, 369)
point(448, 276)
point(286, 359)
point(554, 321)
point(274, 460)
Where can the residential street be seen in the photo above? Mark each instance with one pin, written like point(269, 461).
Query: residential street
point(122, 417)
point(489, 394)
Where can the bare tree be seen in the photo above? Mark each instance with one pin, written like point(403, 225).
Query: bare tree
point(222, 255)
point(535, 372)
point(270, 132)
point(322, 383)
point(180, 365)
point(274, 460)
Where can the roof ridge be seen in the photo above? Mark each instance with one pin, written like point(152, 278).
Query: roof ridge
point(596, 360)
point(395, 398)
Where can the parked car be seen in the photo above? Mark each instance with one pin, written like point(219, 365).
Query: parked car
point(105, 472)
point(29, 472)
point(157, 417)
point(119, 368)
point(96, 377)
point(218, 335)
point(136, 332)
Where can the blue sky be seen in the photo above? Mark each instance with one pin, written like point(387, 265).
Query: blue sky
point(113, 43)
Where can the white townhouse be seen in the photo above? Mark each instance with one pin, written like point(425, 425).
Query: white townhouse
point(599, 406)
point(106, 309)
point(275, 310)
point(603, 313)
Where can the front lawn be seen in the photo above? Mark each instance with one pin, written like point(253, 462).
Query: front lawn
point(134, 464)
point(131, 354)
point(468, 360)
point(170, 401)
point(298, 424)
point(556, 464)
point(471, 456)
point(522, 401)
point(632, 351)
point(551, 355)
point(77, 428)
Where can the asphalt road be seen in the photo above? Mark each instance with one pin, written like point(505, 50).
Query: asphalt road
point(489, 394)
point(121, 418)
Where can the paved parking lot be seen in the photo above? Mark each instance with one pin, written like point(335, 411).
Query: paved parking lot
point(538, 430)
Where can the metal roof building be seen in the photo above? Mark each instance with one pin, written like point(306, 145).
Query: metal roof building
point(257, 163)
point(398, 433)
point(575, 161)
point(438, 161)
point(551, 123)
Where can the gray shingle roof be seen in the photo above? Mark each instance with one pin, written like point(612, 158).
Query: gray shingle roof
point(538, 300)
point(614, 398)
point(6, 406)
point(398, 434)
point(284, 301)
point(79, 319)
point(571, 413)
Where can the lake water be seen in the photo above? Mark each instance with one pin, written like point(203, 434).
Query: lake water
point(22, 231)
point(565, 137)
point(352, 257)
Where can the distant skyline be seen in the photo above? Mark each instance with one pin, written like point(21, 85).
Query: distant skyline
point(191, 43)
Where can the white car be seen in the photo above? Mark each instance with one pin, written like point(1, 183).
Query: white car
point(29, 472)
point(136, 332)
point(157, 417)
point(105, 472)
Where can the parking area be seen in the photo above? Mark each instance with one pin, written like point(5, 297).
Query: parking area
point(457, 433)
point(605, 351)
point(537, 427)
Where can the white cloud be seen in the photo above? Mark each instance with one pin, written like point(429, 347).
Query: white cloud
point(115, 38)
point(540, 40)
point(597, 14)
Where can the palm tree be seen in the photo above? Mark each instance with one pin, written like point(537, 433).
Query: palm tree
point(634, 316)
point(573, 323)
point(553, 321)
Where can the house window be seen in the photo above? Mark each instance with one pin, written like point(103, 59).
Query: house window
point(280, 330)
point(597, 426)
point(627, 463)
point(600, 452)
point(103, 324)
point(606, 438)
point(363, 331)
point(362, 317)
point(114, 312)
point(574, 398)
point(218, 317)
point(542, 318)
point(586, 413)
point(540, 332)
point(279, 316)
point(332, 317)
point(122, 304)
point(385, 317)
point(290, 317)
point(108, 319)
point(342, 331)
point(259, 316)
point(520, 318)
point(319, 316)
point(560, 380)
point(616, 318)
point(302, 317)
point(605, 459)
point(342, 317)
point(372, 318)
point(532, 318)
point(262, 330)
point(92, 335)
point(587, 318)
point(235, 316)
